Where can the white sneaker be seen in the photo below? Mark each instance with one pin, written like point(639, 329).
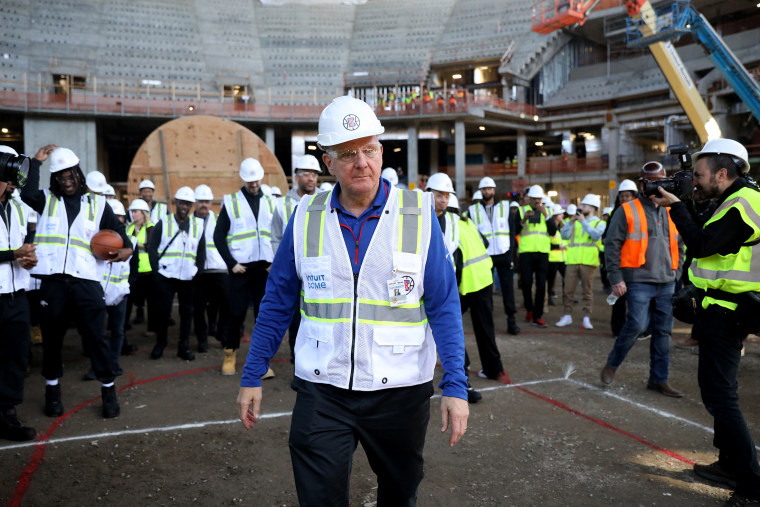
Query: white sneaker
point(587, 323)
point(566, 320)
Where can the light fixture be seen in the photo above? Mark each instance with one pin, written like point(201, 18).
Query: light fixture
point(482, 127)
point(4, 130)
point(456, 76)
point(535, 117)
point(311, 147)
point(539, 143)
point(552, 193)
point(191, 108)
point(590, 136)
point(396, 150)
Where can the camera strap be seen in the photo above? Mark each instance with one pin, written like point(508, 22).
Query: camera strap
point(169, 244)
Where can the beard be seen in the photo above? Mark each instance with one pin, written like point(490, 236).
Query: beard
point(711, 190)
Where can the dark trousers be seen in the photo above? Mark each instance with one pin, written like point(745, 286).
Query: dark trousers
point(329, 422)
point(33, 297)
point(165, 288)
point(64, 297)
point(534, 264)
point(551, 276)
point(140, 291)
point(210, 299)
point(295, 324)
point(503, 265)
point(14, 348)
point(116, 318)
point(243, 289)
point(720, 344)
point(480, 304)
point(617, 316)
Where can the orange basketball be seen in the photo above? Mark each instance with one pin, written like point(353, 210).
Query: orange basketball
point(105, 241)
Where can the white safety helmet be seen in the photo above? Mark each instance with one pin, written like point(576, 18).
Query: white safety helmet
point(607, 210)
point(726, 147)
point(572, 209)
point(548, 202)
point(62, 158)
point(628, 186)
point(146, 184)
point(536, 192)
point(346, 119)
point(8, 149)
point(514, 204)
point(477, 196)
point(440, 182)
point(139, 204)
point(486, 182)
point(308, 162)
point(203, 193)
point(592, 200)
point(109, 191)
point(266, 189)
point(326, 186)
point(185, 194)
point(96, 181)
point(117, 207)
point(453, 201)
point(391, 175)
point(276, 191)
point(251, 170)
point(557, 209)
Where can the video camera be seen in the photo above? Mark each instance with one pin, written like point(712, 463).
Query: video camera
point(14, 169)
point(681, 184)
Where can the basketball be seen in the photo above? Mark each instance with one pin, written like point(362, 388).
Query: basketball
point(105, 241)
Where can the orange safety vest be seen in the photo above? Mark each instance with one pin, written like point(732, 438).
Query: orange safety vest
point(633, 253)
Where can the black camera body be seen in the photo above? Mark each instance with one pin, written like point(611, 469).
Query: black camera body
point(14, 169)
point(681, 183)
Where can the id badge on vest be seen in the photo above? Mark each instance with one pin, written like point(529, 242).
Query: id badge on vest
point(316, 274)
point(405, 267)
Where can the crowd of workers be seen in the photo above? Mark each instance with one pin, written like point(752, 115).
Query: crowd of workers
point(362, 338)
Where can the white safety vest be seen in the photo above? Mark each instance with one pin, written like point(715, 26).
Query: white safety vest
point(179, 259)
point(159, 212)
point(249, 240)
point(286, 206)
point(451, 234)
point(350, 335)
point(64, 250)
point(213, 258)
point(13, 277)
point(495, 230)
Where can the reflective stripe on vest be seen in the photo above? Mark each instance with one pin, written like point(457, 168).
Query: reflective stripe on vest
point(143, 260)
point(556, 254)
point(633, 251)
point(476, 263)
point(535, 237)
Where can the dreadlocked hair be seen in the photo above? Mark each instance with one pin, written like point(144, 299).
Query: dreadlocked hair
point(79, 181)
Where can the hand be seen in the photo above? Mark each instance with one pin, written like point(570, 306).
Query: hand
point(120, 255)
point(665, 198)
point(44, 152)
point(619, 289)
point(455, 411)
point(249, 405)
point(26, 250)
point(238, 269)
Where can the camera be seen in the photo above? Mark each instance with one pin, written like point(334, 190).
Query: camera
point(681, 184)
point(14, 169)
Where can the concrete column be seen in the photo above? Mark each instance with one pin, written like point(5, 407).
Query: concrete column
point(269, 138)
point(522, 152)
point(412, 158)
point(460, 149)
point(611, 137)
point(78, 135)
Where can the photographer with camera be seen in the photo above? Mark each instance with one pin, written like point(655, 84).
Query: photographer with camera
point(726, 271)
point(644, 254)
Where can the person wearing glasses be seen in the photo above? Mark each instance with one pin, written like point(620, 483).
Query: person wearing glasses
point(368, 266)
point(69, 216)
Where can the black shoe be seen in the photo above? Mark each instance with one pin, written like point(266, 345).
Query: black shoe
point(53, 405)
point(186, 354)
point(212, 330)
point(157, 352)
point(128, 348)
point(139, 316)
point(90, 375)
point(737, 500)
point(512, 326)
point(473, 396)
point(111, 407)
point(715, 472)
point(11, 429)
point(202, 346)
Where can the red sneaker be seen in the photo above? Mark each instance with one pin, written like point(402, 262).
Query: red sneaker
point(539, 323)
point(528, 316)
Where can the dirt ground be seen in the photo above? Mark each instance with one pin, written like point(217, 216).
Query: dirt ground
point(552, 437)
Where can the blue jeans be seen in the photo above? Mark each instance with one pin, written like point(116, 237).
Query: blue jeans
point(638, 298)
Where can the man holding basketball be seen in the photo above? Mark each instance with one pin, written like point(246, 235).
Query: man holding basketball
point(68, 219)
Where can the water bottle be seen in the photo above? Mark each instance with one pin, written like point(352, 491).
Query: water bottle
point(611, 299)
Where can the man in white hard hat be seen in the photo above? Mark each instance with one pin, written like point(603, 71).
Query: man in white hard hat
point(492, 218)
point(243, 237)
point(583, 232)
point(377, 290)
point(643, 252)
point(158, 210)
point(724, 272)
point(276, 192)
point(96, 182)
point(391, 175)
point(70, 273)
point(211, 281)
point(177, 250)
point(326, 186)
point(535, 230)
point(110, 192)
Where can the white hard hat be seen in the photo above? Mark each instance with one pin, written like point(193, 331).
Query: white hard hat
point(486, 182)
point(391, 175)
point(514, 204)
point(185, 194)
point(557, 209)
point(347, 119)
point(203, 193)
point(117, 207)
point(453, 201)
point(592, 200)
point(109, 191)
point(477, 196)
point(726, 147)
point(308, 162)
point(276, 191)
point(62, 158)
point(572, 209)
point(547, 201)
point(607, 210)
point(96, 181)
point(147, 184)
point(536, 192)
point(628, 186)
point(8, 149)
point(251, 170)
point(440, 182)
point(266, 189)
point(326, 186)
point(139, 204)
